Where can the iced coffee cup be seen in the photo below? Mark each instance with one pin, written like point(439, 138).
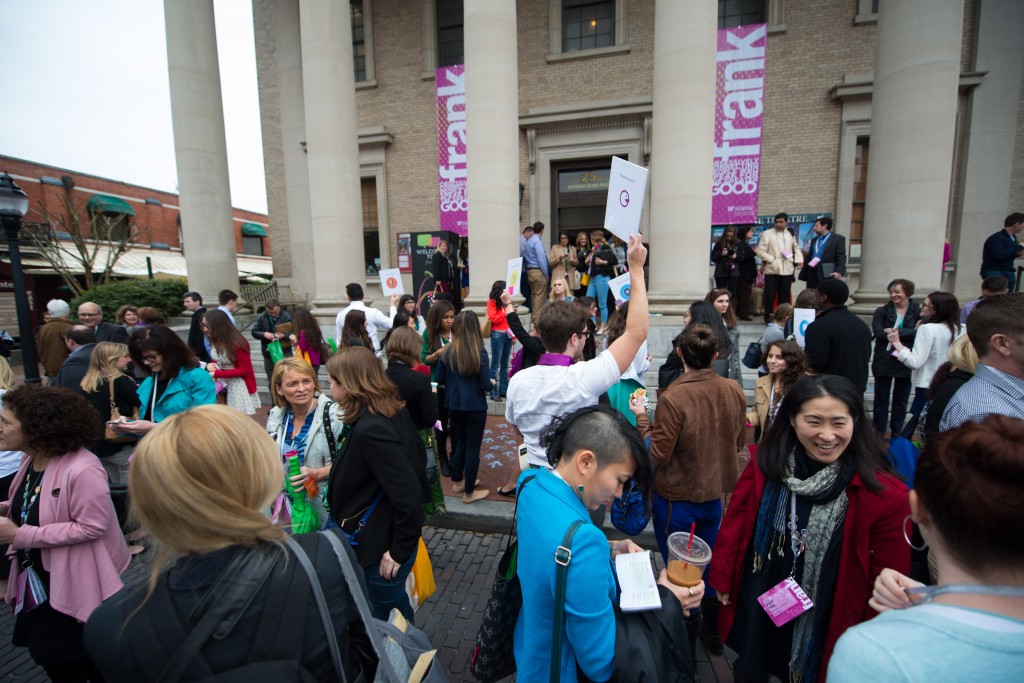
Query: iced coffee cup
point(685, 567)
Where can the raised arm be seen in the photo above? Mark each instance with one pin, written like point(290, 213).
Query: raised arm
point(638, 321)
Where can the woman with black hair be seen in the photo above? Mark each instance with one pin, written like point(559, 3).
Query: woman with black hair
point(700, 313)
point(746, 259)
point(407, 305)
point(725, 255)
point(822, 463)
point(501, 341)
point(593, 453)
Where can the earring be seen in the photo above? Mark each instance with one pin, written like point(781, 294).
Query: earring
point(906, 537)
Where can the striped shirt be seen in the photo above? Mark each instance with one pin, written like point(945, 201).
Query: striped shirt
point(989, 392)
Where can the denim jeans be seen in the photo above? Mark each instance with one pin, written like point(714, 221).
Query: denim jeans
point(386, 594)
point(501, 347)
point(598, 289)
point(677, 515)
point(468, 426)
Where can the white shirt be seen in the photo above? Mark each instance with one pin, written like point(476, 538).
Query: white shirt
point(375, 320)
point(931, 344)
point(230, 315)
point(539, 394)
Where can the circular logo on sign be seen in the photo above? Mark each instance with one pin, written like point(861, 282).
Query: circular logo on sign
point(803, 327)
point(392, 283)
point(625, 293)
point(624, 198)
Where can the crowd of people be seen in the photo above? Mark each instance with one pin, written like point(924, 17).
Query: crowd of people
point(812, 530)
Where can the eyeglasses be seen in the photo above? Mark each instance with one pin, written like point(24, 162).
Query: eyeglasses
point(151, 358)
point(927, 305)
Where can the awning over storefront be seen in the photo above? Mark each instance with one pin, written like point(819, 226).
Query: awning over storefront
point(133, 263)
point(253, 230)
point(108, 204)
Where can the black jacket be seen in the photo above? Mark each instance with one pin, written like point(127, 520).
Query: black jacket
point(727, 265)
point(381, 453)
point(141, 651)
point(414, 388)
point(533, 347)
point(747, 261)
point(126, 398)
point(883, 364)
point(73, 371)
point(196, 337)
point(833, 254)
point(839, 343)
point(954, 380)
point(109, 332)
point(267, 324)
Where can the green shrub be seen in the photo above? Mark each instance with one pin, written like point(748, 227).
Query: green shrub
point(164, 295)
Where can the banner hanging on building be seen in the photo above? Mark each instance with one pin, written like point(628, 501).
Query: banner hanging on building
point(739, 109)
point(450, 84)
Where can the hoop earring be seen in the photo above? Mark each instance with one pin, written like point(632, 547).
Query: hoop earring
point(906, 537)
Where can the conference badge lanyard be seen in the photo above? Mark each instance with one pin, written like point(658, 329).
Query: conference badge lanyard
point(787, 600)
point(30, 591)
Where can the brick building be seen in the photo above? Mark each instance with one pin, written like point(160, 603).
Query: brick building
point(900, 120)
point(155, 214)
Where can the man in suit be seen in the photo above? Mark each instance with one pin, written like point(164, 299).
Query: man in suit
point(91, 315)
point(196, 339)
point(826, 257)
point(81, 340)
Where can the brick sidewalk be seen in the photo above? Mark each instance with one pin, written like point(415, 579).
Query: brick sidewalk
point(464, 564)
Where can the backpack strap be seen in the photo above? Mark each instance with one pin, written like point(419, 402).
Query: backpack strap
point(563, 555)
point(224, 603)
point(281, 632)
point(321, 604)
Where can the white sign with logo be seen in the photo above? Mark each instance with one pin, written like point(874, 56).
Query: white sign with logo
point(619, 288)
point(391, 281)
point(802, 317)
point(626, 188)
point(514, 276)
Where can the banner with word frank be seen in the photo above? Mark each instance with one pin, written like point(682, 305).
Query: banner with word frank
point(450, 84)
point(739, 109)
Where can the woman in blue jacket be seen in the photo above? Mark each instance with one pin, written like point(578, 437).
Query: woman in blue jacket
point(464, 373)
point(174, 381)
point(593, 452)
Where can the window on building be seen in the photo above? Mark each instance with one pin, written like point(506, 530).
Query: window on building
point(860, 191)
point(358, 40)
point(252, 246)
point(109, 226)
point(587, 24)
point(740, 12)
point(371, 226)
point(449, 32)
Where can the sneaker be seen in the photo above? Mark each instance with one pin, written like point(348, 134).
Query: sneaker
point(478, 494)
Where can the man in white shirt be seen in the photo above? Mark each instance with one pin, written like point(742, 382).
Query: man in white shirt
point(375, 320)
point(555, 385)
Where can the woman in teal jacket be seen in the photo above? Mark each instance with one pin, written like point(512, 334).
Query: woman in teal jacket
point(174, 381)
point(593, 452)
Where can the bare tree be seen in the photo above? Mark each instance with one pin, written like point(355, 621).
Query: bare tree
point(98, 240)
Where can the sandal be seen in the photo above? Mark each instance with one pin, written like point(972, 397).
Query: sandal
point(508, 494)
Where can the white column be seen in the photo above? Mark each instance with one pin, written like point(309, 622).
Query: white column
point(293, 134)
point(913, 124)
point(492, 141)
point(332, 151)
point(200, 149)
point(993, 120)
point(683, 122)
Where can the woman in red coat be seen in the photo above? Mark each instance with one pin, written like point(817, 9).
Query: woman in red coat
point(232, 362)
point(822, 460)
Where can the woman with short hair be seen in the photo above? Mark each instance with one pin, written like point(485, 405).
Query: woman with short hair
point(67, 551)
point(892, 378)
point(378, 483)
point(231, 361)
point(106, 385)
point(223, 469)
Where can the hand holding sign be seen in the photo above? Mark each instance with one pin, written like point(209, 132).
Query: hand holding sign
point(391, 281)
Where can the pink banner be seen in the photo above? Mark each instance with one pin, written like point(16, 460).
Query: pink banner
point(739, 108)
point(451, 148)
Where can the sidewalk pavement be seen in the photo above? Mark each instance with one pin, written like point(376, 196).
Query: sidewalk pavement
point(464, 565)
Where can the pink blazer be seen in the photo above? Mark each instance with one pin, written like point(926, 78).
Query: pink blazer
point(80, 540)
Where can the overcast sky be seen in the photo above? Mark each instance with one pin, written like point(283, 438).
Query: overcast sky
point(85, 88)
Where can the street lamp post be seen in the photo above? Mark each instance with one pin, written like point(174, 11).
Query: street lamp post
point(14, 205)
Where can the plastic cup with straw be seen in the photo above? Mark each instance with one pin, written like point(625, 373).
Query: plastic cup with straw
point(688, 555)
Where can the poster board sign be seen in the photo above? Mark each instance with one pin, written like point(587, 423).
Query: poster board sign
point(619, 288)
point(404, 240)
point(514, 276)
point(739, 118)
point(802, 317)
point(626, 188)
point(391, 282)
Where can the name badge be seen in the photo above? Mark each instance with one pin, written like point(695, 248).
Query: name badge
point(785, 602)
point(814, 262)
point(787, 253)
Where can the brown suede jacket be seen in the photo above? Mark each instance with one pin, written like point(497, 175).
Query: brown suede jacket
point(699, 426)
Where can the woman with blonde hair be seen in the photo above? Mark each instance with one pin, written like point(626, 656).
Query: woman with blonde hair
point(559, 290)
point(378, 484)
point(106, 386)
point(304, 421)
point(231, 361)
point(464, 372)
point(220, 466)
